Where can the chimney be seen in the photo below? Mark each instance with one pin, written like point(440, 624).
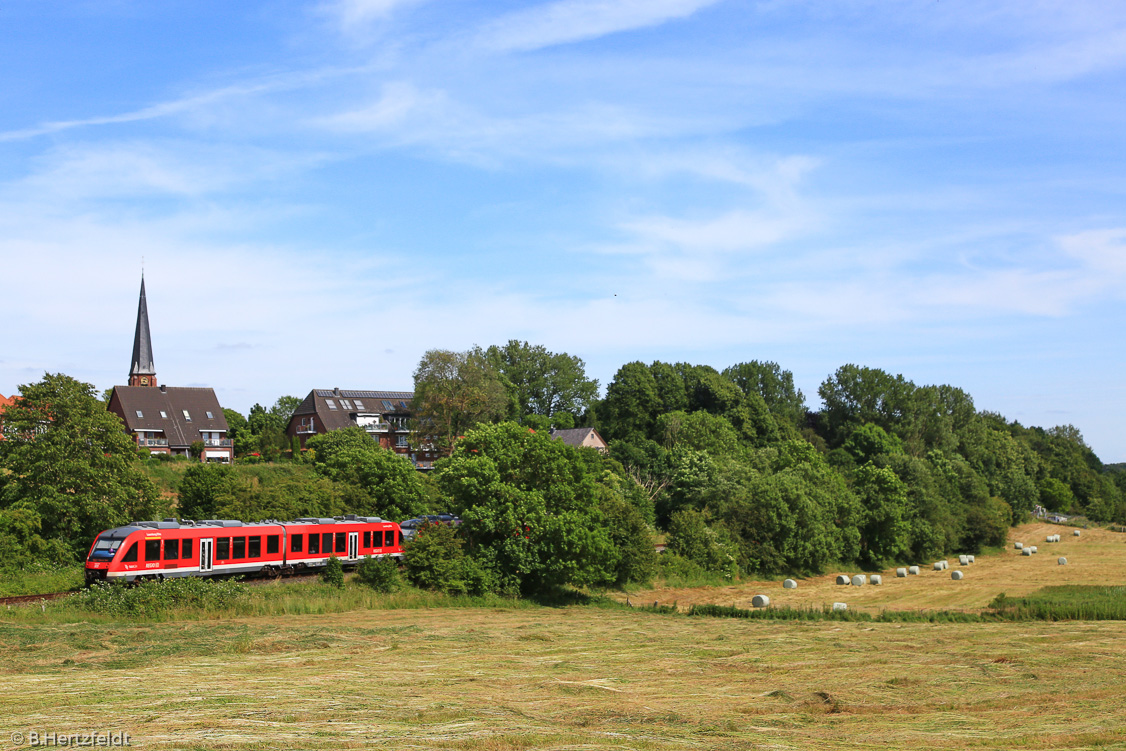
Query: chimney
point(336, 391)
point(163, 389)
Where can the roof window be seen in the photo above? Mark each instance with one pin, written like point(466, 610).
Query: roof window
point(187, 416)
point(140, 413)
point(163, 414)
point(359, 404)
point(345, 404)
point(331, 404)
point(387, 405)
point(210, 416)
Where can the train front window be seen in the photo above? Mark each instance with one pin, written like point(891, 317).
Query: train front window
point(104, 549)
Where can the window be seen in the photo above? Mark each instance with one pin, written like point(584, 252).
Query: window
point(341, 542)
point(238, 549)
point(345, 404)
point(187, 416)
point(359, 404)
point(326, 543)
point(314, 544)
point(367, 539)
point(186, 550)
point(399, 537)
point(171, 550)
point(130, 554)
point(140, 413)
point(210, 416)
point(387, 405)
point(401, 441)
point(254, 548)
point(272, 545)
point(152, 550)
point(331, 404)
point(389, 538)
point(405, 406)
point(223, 549)
point(295, 543)
point(163, 414)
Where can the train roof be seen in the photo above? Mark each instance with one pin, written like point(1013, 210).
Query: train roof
point(224, 523)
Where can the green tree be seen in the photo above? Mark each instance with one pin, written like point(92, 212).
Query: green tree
point(530, 509)
point(454, 391)
point(885, 529)
point(205, 489)
point(284, 408)
point(542, 382)
point(71, 463)
point(238, 430)
point(632, 404)
point(854, 395)
point(774, 385)
point(390, 485)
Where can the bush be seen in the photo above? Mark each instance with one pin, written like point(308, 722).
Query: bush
point(381, 574)
point(334, 572)
point(155, 597)
point(435, 560)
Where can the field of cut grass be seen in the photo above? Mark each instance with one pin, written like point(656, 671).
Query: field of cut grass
point(1096, 557)
point(574, 678)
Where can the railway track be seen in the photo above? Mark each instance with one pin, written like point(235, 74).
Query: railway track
point(24, 599)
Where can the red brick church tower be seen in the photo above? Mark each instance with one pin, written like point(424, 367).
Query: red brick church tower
point(143, 371)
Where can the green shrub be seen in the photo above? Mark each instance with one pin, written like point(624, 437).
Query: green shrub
point(381, 574)
point(435, 560)
point(155, 597)
point(334, 572)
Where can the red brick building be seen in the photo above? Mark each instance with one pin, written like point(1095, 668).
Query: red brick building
point(384, 415)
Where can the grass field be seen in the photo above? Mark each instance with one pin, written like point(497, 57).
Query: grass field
point(587, 677)
point(1095, 557)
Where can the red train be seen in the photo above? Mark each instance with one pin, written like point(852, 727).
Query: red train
point(223, 547)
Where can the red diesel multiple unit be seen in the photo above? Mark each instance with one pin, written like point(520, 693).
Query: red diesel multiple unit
point(223, 547)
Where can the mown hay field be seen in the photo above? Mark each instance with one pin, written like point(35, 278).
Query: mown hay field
point(1097, 557)
point(580, 677)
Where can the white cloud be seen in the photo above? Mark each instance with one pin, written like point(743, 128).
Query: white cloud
point(359, 13)
point(578, 20)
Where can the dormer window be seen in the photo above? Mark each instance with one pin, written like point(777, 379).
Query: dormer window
point(187, 416)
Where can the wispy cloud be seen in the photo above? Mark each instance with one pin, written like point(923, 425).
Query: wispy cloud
point(568, 21)
point(352, 13)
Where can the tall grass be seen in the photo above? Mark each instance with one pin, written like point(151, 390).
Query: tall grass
point(1064, 603)
point(40, 578)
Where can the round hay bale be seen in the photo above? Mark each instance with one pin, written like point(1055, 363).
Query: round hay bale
point(901, 572)
point(1018, 545)
point(1076, 533)
point(939, 565)
point(1033, 549)
point(963, 560)
point(789, 584)
point(1026, 551)
point(859, 580)
point(843, 579)
point(913, 570)
point(956, 575)
point(840, 606)
point(760, 601)
point(971, 558)
point(876, 579)
point(1062, 561)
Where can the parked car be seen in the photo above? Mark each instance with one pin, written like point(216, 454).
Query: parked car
point(411, 526)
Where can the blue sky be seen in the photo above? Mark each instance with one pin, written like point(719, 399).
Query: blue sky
point(321, 191)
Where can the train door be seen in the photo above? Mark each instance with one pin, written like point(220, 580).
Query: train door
point(353, 545)
point(205, 554)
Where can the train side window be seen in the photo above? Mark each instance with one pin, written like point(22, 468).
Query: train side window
point(326, 543)
point(171, 550)
point(400, 536)
point(254, 547)
point(223, 549)
point(130, 554)
point(238, 547)
point(314, 544)
point(152, 550)
point(367, 539)
point(341, 542)
point(271, 544)
point(389, 538)
point(295, 543)
point(186, 549)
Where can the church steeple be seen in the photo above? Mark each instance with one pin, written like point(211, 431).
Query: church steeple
point(143, 371)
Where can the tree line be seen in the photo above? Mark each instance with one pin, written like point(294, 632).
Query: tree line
point(731, 466)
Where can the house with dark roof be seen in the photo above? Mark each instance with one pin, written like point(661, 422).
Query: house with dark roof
point(383, 415)
point(581, 438)
point(166, 419)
